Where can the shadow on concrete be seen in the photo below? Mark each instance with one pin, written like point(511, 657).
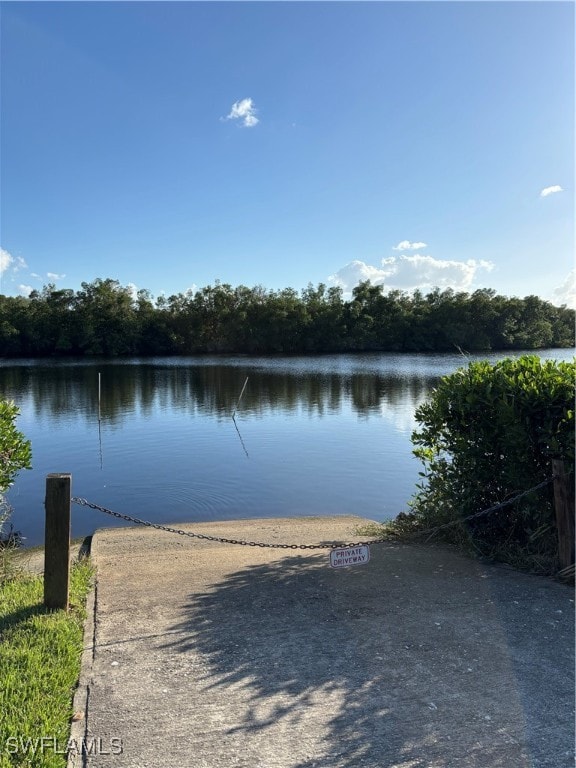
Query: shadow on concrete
point(280, 629)
point(397, 674)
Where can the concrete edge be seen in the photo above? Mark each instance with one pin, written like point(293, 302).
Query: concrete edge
point(80, 701)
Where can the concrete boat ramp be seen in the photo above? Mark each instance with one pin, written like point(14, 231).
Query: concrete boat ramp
point(207, 655)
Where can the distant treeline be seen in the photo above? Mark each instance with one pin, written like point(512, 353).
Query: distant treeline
point(106, 318)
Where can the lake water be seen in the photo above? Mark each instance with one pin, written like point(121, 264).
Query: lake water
point(326, 435)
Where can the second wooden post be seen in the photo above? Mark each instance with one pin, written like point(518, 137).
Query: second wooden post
point(564, 504)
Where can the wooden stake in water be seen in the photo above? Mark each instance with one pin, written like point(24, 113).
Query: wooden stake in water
point(100, 416)
point(240, 436)
point(240, 398)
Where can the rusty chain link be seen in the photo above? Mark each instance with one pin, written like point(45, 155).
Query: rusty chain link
point(340, 545)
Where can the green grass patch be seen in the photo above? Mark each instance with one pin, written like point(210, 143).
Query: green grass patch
point(40, 653)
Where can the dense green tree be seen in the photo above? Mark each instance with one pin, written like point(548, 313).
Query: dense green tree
point(324, 324)
point(52, 328)
point(11, 322)
point(106, 318)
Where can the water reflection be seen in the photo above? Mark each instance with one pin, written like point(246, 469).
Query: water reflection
point(311, 436)
point(53, 392)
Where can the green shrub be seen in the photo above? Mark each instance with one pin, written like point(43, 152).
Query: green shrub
point(14, 448)
point(15, 454)
point(488, 433)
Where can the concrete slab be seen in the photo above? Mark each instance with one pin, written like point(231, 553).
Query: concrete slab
point(206, 655)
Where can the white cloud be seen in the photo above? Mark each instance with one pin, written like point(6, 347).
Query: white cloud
point(6, 259)
point(245, 111)
point(418, 271)
point(10, 264)
point(566, 293)
point(406, 245)
point(551, 190)
point(355, 272)
point(408, 273)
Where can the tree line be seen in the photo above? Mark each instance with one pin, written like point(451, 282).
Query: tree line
point(107, 318)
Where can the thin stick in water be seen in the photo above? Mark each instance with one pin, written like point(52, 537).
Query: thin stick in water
point(100, 416)
point(100, 440)
point(240, 398)
point(240, 436)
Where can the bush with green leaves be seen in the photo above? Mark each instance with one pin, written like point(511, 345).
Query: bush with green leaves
point(15, 454)
point(488, 433)
point(15, 451)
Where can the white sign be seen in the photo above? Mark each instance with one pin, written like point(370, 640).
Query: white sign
point(343, 558)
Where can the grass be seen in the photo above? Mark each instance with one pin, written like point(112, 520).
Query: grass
point(40, 652)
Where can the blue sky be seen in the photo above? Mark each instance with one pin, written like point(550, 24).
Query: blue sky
point(169, 145)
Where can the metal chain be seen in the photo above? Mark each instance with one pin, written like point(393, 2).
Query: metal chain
point(433, 531)
point(340, 545)
point(205, 537)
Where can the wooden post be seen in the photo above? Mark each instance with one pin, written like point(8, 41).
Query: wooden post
point(564, 505)
point(57, 541)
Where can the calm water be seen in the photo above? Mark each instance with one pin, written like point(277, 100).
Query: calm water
point(323, 435)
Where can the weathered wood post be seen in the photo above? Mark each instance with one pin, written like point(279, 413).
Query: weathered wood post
point(57, 541)
point(564, 505)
